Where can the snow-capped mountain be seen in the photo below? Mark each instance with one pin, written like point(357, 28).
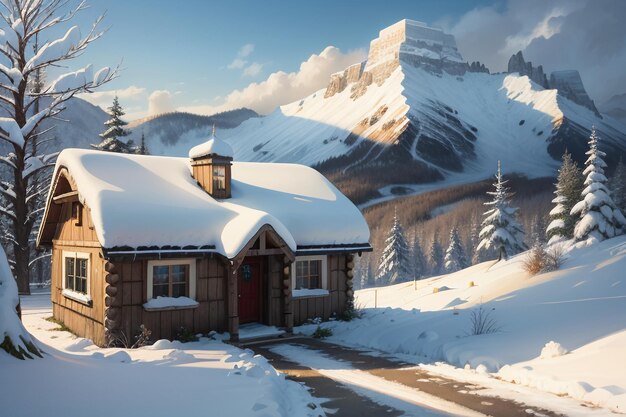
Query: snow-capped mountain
point(414, 112)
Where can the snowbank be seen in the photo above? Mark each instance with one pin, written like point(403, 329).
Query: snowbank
point(201, 378)
point(579, 306)
point(10, 325)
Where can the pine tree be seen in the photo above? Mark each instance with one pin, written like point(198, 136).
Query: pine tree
point(395, 262)
point(142, 149)
point(455, 259)
point(598, 216)
point(115, 130)
point(420, 265)
point(538, 230)
point(568, 188)
point(501, 231)
point(617, 185)
point(436, 256)
point(371, 279)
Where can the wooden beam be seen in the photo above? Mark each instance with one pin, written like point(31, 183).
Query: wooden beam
point(70, 197)
point(264, 252)
point(232, 303)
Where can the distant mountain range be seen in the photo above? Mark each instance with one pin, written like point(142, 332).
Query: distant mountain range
point(167, 130)
point(416, 112)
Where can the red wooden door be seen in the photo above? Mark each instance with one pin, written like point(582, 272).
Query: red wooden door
point(249, 276)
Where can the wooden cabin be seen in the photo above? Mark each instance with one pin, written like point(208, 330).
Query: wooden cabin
point(202, 243)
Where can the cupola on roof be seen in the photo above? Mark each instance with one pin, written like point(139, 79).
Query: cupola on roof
point(213, 146)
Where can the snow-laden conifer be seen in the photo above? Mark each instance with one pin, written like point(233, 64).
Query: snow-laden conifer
point(598, 216)
point(617, 186)
point(435, 256)
point(420, 264)
point(501, 231)
point(114, 131)
point(455, 259)
point(395, 262)
point(568, 188)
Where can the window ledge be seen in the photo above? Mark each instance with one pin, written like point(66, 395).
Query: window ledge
point(77, 296)
point(170, 303)
point(308, 293)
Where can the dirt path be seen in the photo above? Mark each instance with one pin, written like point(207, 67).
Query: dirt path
point(349, 401)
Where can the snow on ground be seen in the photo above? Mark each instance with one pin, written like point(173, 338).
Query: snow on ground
point(202, 378)
point(580, 307)
point(410, 401)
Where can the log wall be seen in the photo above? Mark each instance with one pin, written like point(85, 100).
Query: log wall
point(333, 304)
point(210, 314)
point(83, 319)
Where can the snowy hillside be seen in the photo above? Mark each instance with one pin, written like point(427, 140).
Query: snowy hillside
point(76, 127)
point(559, 332)
point(414, 104)
point(166, 130)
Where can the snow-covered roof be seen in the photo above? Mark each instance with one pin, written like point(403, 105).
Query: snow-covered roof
point(144, 201)
point(213, 146)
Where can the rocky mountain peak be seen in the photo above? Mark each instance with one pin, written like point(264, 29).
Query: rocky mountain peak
point(407, 41)
point(517, 64)
point(570, 85)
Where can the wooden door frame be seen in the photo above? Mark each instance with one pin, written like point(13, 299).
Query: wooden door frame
point(262, 291)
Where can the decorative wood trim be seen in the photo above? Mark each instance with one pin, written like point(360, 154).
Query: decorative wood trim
point(265, 252)
point(266, 228)
point(81, 243)
point(70, 197)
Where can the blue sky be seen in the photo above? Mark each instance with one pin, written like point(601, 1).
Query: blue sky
point(204, 56)
point(185, 47)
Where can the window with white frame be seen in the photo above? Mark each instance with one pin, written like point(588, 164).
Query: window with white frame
point(219, 178)
point(172, 278)
point(76, 275)
point(309, 273)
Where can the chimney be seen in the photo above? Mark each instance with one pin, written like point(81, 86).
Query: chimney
point(210, 164)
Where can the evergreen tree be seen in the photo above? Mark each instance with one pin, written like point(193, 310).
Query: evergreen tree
point(501, 231)
point(420, 265)
point(436, 256)
point(538, 230)
point(455, 259)
point(617, 185)
point(395, 262)
point(142, 149)
point(115, 130)
point(371, 279)
point(568, 188)
point(598, 216)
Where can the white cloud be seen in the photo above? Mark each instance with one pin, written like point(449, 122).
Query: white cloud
point(104, 98)
point(246, 50)
point(160, 101)
point(237, 63)
point(253, 69)
point(281, 87)
point(558, 34)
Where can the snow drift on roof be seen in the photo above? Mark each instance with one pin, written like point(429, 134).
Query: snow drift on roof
point(213, 146)
point(138, 200)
